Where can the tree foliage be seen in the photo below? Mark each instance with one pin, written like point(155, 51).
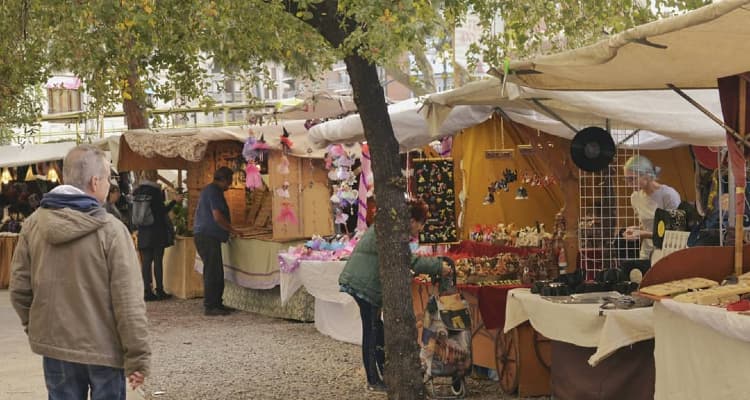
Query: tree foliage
point(521, 28)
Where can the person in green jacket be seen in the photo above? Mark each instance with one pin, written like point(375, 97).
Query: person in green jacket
point(361, 279)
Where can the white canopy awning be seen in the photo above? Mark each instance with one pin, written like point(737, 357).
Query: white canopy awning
point(690, 51)
point(318, 105)
point(13, 156)
point(409, 126)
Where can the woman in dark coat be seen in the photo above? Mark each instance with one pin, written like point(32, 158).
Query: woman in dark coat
point(361, 279)
point(153, 239)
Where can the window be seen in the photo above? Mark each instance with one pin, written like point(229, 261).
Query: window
point(63, 100)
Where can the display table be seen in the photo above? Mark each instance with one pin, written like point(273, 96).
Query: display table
point(180, 277)
point(595, 355)
point(336, 313)
point(701, 352)
point(251, 270)
point(7, 246)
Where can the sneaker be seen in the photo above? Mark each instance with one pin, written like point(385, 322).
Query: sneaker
point(162, 295)
point(150, 296)
point(377, 387)
point(212, 312)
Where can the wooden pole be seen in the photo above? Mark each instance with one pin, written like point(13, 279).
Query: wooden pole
point(739, 234)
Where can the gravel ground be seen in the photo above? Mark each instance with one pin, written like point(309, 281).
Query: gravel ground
point(248, 356)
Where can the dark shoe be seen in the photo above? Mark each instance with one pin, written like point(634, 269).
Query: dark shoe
point(228, 309)
point(162, 295)
point(212, 312)
point(377, 387)
point(150, 296)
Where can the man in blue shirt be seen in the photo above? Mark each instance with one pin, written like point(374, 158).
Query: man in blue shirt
point(212, 227)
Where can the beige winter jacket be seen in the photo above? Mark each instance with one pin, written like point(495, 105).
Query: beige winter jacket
point(77, 286)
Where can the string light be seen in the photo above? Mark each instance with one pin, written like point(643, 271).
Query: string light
point(30, 175)
point(52, 174)
point(5, 178)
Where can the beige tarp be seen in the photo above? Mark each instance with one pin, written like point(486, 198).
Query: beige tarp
point(190, 144)
point(689, 51)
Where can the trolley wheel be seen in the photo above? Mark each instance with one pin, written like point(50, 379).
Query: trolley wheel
point(508, 360)
point(543, 349)
point(460, 391)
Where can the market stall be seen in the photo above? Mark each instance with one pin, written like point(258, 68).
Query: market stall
point(286, 183)
point(26, 174)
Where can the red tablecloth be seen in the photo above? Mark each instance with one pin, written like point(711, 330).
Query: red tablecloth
point(480, 249)
point(492, 300)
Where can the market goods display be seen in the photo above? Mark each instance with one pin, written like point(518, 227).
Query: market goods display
point(433, 183)
point(679, 286)
point(717, 295)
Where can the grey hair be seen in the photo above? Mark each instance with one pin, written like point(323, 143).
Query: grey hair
point(83, 163)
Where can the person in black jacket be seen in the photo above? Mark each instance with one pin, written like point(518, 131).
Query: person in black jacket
point(153, 239)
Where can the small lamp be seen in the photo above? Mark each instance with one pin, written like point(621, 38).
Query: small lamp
point(5, 178)
point(52, 174)
point(30, 174)
point(522, 194)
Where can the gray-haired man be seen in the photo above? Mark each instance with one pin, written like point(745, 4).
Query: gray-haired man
point(77, 287)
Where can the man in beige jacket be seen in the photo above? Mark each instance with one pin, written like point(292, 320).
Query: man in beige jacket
point(76, 285)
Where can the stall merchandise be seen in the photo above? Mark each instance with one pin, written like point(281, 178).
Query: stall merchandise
point(434, 184)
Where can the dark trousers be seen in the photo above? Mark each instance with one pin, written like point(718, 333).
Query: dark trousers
point(373, 341)
point(153, 256)
point(209, 250)
point(72, 381)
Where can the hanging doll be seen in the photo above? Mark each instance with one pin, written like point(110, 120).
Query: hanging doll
point(283, 191)
point(252, 176)
point(287, 214)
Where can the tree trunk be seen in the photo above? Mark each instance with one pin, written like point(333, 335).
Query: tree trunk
point(402, 370)
point(135, 116)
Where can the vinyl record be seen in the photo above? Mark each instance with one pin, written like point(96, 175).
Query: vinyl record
point(592, 149)
point(667, 220)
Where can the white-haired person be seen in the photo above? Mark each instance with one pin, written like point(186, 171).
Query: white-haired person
point(77, 287)
point(648, 195)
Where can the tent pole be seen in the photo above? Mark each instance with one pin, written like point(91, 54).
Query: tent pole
point(709, 114)
point(554, 115)
point(739, 234)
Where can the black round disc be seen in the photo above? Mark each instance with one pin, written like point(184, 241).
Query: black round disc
point(592, 149)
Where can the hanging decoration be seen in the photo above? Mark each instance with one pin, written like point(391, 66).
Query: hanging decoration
point(252, 176)
point(283, 191)
point(287, 214)
point(52, 174)
point(434, 185)
point(365, 188)
point(521, 193)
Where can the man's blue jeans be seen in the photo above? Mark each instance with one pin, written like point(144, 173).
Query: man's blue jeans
point(72, 381)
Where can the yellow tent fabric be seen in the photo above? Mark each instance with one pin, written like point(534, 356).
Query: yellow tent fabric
point(469, 146)
point(543, 202)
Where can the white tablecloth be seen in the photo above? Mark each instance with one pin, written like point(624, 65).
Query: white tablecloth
point(336, 313)
point(580, 324)
point(693, 359)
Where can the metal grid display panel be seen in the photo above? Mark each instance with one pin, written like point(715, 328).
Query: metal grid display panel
point(605, 212)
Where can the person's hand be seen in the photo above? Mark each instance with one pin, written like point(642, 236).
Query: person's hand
point(135, 380)
point(632, 233)
point(179, 197)
point(233, 232)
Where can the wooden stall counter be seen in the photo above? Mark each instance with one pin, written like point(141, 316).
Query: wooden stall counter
point(180, 277)
point(7, 247)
